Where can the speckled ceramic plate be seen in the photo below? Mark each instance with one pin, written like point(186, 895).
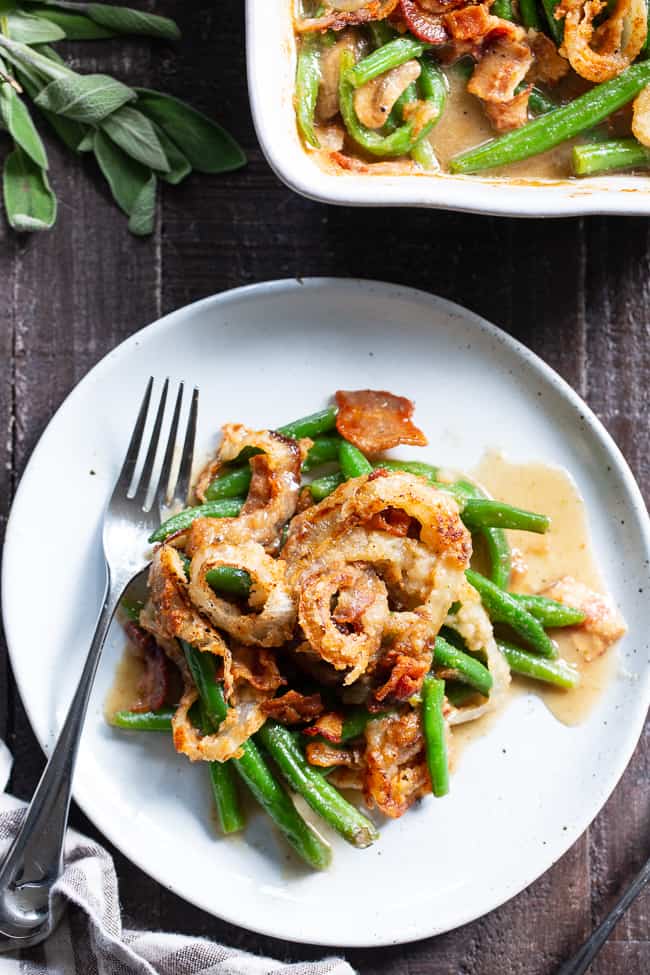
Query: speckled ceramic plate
point(523, 793)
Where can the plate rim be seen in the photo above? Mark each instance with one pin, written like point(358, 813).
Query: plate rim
point(475, 321)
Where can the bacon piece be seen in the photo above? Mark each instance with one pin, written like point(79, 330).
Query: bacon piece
point(424, 20)
point(392, 520)
point(408, 659)
point(154, 683)
point(338, 19)
point(256, 667)
point(293, 707)
point(549, 66)
point(470, 23)
point(502, 67)
point(603, 623)
point(374, 420)
point(506, 116)
point(329, 726)
point(616, 42)
point(389, 167)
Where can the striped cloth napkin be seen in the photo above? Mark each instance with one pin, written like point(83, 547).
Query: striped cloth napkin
point(90, 939)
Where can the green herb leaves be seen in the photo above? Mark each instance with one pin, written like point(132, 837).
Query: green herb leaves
point(137, 136)
point(29, 201)
point(18, 123)
point(84, 97)
point(206, 145)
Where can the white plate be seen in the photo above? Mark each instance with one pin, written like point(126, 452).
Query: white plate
point(264, 355)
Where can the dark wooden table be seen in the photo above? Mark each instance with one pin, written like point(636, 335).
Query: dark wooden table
point(575, 291)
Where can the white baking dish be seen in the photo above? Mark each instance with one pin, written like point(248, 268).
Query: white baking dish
point(271, 67)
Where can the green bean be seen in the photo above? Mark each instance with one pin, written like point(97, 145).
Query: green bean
point(355, 721)
point(131, 608)
point(468, 669)
point(411, 467)
point(503, 9)
point(224, 788)
point(227, 508)
point(478, 513)
point(235, 482)
point(433, 724)
point(602, 157)
point(228, 579)
point(307, 85)
point(381, 32)
point(323, 798)
point(398, 143)
point(529, 14)
point(424, 154)
point(556, 27)
point(496, 543)
point(557, 126)
point(388, 56)
point(538, 102)
point(352, 461)
point(549, 612)
point(502, 608)
point(311, 426)
point(253, 769)
point(322, 486)
point(324, 450)
point(160, 720)
point(557, 672)
point(458, 694)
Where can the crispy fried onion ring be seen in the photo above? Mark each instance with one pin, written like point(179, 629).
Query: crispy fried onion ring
point(342, 610)
point(424, 575)
point(272, 618)
point(641, 116)
point(396, 771)
point(342, 13)
point(294, 707)
point(272, 496)
point(176, 617)
point(473, 624)
point(374, 420)
point(604, 52)
point(244, 718)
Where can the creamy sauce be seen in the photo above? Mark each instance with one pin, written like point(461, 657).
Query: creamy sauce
point(464, 125)
point(564, 550)
point(124, 690)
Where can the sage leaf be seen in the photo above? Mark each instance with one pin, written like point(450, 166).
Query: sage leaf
point(18, 122)
point(71, 133)
point(86, 144)
point(179, 167)
point(143, 218)
point(6, 6)
point(135, 133)
point(128, 180)
point(28, 29)
point(34, 58)
point(75, 26)
point(86, 98)
point(208, 147)
point(29, 201)
point(124, 20)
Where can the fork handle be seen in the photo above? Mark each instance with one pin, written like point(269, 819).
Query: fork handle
point(586, 954)
point(35, 859)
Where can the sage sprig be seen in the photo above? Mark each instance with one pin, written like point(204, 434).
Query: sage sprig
point(137, 136)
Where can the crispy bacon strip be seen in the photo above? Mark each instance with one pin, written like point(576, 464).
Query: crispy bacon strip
point(294, 707)
point(503, 65)
point(374, 420)
point(506, 116)
point(328, 726)
point(154, 683)
point(324, 756)
point(423, 18)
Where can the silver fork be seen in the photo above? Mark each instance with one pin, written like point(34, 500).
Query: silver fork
point(35, 859)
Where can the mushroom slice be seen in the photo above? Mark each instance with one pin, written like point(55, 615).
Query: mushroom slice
point(374, 100)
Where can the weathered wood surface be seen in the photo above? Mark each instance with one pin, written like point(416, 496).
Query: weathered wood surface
point(575, 291)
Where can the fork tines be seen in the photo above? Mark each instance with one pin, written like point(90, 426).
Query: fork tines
point(166, 479)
